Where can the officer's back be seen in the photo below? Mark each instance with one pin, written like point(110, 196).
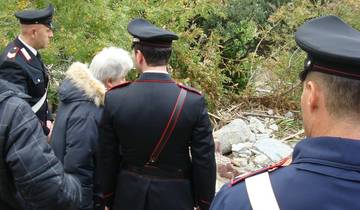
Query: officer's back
point(149, 129)
point(143, 110)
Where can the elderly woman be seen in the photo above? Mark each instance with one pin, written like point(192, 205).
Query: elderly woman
point(75, 133)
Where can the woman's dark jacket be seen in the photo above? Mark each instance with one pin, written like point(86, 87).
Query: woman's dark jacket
point(75, 133)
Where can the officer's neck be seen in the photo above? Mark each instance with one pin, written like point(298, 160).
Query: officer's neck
point(160, 69)
point(28, 43)
point(344, 127)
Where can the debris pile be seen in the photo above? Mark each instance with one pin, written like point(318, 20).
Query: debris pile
point(249, 143)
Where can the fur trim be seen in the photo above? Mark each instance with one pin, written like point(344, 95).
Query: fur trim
point(80, 74)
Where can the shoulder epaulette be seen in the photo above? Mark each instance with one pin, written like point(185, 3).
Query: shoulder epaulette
point(189, 88)
point(12, 53)
point(282, 163)
point(124, 84)
point(25, 54)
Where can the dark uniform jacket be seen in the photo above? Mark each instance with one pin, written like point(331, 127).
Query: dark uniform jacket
point(75, 134)
point(20, 66)
point(133, 121)
point(324, 174)
point(27, 163)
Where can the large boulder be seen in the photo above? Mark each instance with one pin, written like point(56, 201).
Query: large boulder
point(235, 132)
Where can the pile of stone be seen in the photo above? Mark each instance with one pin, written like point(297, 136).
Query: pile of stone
point(245, 145)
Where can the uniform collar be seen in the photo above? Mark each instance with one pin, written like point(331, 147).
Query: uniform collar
point(152, 76)
point(333, 149)
point(155, 71)
point(28, 46)
point(333, 152)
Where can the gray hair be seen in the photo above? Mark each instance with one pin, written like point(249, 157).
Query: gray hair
point(111, 63)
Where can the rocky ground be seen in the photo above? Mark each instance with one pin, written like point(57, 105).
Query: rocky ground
point(252, 141)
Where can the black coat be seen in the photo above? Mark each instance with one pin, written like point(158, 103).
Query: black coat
point(20, 66)
point(27, 162)
point(133, 120)
point(75, 134)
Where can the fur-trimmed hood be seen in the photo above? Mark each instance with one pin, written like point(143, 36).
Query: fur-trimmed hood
point(80, 85)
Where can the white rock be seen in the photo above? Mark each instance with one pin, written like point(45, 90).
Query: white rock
point(256, 125)
point(240, 147)
point(262, 136)
point(274, 127)
point(273, 149)
point(220, 183)
point(270, 112)
point(262, 160)
point(235, 132)
point(240, 162)
point(247, 154)
point(289, 114)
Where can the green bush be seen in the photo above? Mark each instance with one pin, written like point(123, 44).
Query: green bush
point(278, 52)
point(221, 45)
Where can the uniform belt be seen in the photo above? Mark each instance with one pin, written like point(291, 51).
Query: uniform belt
point(154, 171)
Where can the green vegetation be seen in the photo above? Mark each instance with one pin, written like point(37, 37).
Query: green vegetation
point(223, 43)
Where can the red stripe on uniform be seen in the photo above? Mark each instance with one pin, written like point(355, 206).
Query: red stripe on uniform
point(336, 71)
point(175, 122)
point(165, 130)
point(155, 81)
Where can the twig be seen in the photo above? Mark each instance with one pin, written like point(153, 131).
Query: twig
point(262, 115)
point(292, 55)
point(214, 116)
point(293, 135)
point(291, 89)
point(257, 48)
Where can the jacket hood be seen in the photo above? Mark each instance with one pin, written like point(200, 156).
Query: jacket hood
point(8, 89)
point(80, 85)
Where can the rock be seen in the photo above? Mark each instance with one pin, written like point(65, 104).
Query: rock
point(274, 127)
point(240, 162)
point(262, 161)
point(263, 136)
point(256, 125)
point(221, 159)
point(270, 112)
point(219, 183)
point(289, 114)
point(235, 132)
point(273, 149)
point(247, 154)
point(239, 147)
point(227, 171)
point(223, 172)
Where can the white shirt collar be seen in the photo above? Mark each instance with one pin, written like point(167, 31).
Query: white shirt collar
point(155, 71)
point(28, 46)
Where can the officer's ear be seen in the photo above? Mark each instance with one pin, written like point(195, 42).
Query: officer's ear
point(33, 32)
point(312, 95)
point(139, 57)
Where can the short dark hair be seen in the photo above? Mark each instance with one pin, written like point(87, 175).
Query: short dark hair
point(342, 95)
point(154, 56)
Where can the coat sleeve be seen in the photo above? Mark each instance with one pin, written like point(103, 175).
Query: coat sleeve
point(12, 72)
point(203, 159)
point(81, 141)
point(38, 174)
point(108, 156)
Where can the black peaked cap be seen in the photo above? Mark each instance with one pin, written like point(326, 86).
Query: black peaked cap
point(147, 34)
point(333, 47)
point(41, 16)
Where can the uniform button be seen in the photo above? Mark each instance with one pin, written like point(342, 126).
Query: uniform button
point(38, 80)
